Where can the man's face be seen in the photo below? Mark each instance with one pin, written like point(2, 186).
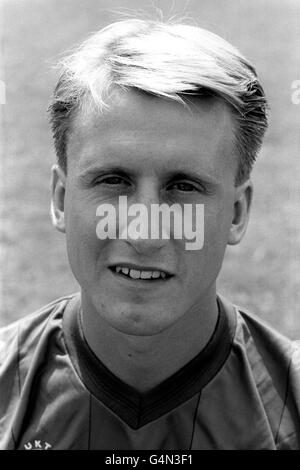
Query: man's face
point(152, 151)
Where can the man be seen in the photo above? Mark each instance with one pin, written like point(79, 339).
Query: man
point(147, 355)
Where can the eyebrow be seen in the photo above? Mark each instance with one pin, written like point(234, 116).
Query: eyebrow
point(96, 170)
point(190, 174)
point(86, 175)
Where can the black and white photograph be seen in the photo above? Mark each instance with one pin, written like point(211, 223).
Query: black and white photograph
point(150, 227)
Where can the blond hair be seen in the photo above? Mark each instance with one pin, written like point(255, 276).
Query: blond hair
point(171, 61)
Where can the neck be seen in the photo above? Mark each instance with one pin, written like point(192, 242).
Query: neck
point(145, 361)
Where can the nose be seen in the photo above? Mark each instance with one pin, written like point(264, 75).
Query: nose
point(141, 229)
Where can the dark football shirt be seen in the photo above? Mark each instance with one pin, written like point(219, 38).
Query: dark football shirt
point(242, 391)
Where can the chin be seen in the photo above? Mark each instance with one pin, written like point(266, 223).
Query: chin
point(136, 324)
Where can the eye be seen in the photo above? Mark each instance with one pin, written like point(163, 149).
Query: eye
point(112, 180)
point(183, 186)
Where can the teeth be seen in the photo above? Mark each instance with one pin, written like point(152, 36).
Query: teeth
point(146, 274)
point(155, 274)
point(136, 274)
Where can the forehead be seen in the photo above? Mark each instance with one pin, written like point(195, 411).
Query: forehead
point(146, 131)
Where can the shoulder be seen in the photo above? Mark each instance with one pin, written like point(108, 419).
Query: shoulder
point(248, 323)
point(268, 341)
point(274, 360)
point(27, 331)
point(270, 364)
point(24, 344)
point(25, 349)
point(268, 354)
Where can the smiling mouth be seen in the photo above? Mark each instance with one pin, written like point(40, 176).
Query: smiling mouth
point(141, 274)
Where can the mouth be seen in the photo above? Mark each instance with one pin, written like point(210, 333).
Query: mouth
point(138, 273)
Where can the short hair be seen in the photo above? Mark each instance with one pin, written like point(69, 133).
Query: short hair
point(171, 61)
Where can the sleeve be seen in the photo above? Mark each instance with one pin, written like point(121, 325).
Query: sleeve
point(295, 381)
point(9, 382)
point(290, 420)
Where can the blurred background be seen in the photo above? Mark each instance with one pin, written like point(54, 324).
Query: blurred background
point(263, 273)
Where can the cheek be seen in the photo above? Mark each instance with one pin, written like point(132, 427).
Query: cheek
point(80, 214)
point(83, 246)
point(218, 219)
point(205, 264)
point(80, 224)
point(216, 237)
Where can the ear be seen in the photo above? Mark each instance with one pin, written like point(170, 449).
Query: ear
point(241, 211)
point(58, 185)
